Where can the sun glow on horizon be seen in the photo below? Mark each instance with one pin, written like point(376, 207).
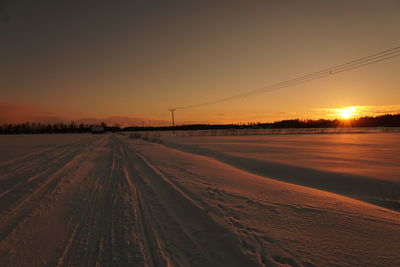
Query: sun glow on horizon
point(347, 112)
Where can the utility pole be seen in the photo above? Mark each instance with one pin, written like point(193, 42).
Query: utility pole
point(173, 119)
point(143, 124)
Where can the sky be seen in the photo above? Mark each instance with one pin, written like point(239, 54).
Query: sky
point(130, 61)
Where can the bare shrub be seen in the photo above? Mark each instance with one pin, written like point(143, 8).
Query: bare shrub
point(392, 197)
point(135, 135)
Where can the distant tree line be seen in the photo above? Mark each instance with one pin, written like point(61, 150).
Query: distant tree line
point(49, 128)
point(387, 120)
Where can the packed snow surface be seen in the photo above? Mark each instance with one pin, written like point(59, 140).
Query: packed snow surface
point(13, 146)
point(111, 200)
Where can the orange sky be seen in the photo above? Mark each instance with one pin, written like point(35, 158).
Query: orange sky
point(132, 60)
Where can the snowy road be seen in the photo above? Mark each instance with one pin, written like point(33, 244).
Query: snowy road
point(108, 200)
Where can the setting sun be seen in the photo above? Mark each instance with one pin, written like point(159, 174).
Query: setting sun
point(346, 113)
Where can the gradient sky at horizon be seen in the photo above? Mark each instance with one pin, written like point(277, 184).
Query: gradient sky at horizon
point(135, 59)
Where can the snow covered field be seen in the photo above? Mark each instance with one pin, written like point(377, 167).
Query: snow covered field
point(110, 200)
point(362, 166)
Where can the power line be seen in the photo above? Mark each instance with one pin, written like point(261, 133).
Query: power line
point(350, 65)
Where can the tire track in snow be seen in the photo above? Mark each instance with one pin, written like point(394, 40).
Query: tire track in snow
point(186, 234)
point(105, 232)
point(25, 162)
point(250, 239)
point(149, 240)
point(21, 200)
point(113, 208)
point(33, 172)
point(39, 169)
point(31, 169)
